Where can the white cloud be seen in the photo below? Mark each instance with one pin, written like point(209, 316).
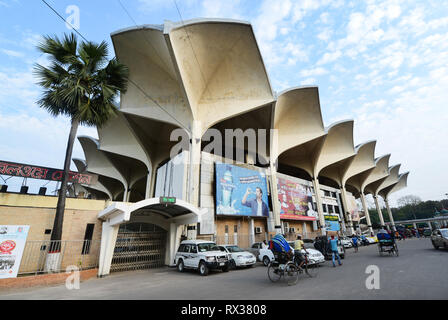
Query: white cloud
point(313, 72)
point(12, 53)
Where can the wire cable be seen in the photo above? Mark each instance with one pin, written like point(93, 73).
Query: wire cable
point(131, 81)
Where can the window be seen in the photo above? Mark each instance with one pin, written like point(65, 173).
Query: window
point(336, 209)
point(330, 209)
point(187, 248)
point(327, 193)
point(47, 231)
point(87, 238)
point(256, 246)
point(181, 248)
point(333, 194)
point(235, 228)
point(226, 229)
point(193, 249)
point(324, 208)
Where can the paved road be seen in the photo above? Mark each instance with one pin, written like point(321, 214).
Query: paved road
point(418, 273)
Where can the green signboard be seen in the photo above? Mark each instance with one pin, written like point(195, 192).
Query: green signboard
point(167, 200)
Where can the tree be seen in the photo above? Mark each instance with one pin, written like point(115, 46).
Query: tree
point(409, 200)
point(80, 83)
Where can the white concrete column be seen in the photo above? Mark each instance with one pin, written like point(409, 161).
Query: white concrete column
point(429, 225)
point(347, 213)
point(305, 231)
point(148, 185)
point(274, 197)
point(366, 212)
point(251, 231)
point(378, 208)
point(319, 206)
point(391, 217)
point(174, 233)
point(195, 161)
point(108, 240)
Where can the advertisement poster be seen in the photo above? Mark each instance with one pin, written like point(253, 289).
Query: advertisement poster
point(241, 191)
point(12, 244)
point(296, 200)
point(332, 222)
point(353, 207)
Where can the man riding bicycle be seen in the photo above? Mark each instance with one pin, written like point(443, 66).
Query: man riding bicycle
point(298, 246)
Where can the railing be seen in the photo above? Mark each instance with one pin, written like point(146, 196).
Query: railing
point(37, 259)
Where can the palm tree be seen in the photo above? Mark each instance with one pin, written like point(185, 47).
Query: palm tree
point(80, 83)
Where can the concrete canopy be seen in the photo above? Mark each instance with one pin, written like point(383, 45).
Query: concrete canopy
point(297, 119)
point(221, 68)
point(391, 179)
point(400, 184)
point(154, 82)
point(377, 176)
point(99, 163)
point(117, 137)
point(363, 161)
point(81, 165)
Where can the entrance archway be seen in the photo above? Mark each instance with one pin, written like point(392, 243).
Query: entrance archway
point(170, 217)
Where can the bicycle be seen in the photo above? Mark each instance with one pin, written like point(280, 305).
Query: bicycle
point(311, 269)
point(289, 271)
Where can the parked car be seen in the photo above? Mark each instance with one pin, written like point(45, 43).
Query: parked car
point(427, 232)
point(346, 242)
point(238, 257)
point(315, 256)
point(372, 240)
point(263, 255)
point(439, 238)
point(200, 255)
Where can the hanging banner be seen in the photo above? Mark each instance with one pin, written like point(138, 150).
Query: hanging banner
point(332, 222)
point(44, 173)
point(241, 191)
point(352, 207)
point(12, 244)
point(296, 200)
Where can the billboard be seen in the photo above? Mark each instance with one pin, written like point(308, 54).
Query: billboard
point(12, 244)
point(296, 200)
point(332, 222)
point(240, 191)
point(352, 207)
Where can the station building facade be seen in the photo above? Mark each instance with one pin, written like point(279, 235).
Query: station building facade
point(197, 80)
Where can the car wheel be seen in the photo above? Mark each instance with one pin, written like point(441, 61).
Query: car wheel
point(266, 261)
point(435, 246)
point(225, 268)
point(180, 266)
point(203, 269)
point(250, 266)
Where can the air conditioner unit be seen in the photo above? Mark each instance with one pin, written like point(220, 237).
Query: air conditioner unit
point(292, 230)
point(258, 230)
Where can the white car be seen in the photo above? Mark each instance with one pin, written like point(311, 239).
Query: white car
point(238, 257)
point(200, 255)
point(347, 242)
point(263, 254)
point(315, 256)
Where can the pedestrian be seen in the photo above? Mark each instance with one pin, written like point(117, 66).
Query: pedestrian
point(334, 251)
point(355, 242)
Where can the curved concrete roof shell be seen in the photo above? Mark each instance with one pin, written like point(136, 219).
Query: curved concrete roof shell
point(391, 179)
point(153, 78)
point(378, 175)
point(297, 118)
point(401, 183)
point(98, 162)
point(221, 68)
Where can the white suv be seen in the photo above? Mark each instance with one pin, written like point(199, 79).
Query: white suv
point(200, 255)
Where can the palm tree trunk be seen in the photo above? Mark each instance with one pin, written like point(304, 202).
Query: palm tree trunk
point(56, 234)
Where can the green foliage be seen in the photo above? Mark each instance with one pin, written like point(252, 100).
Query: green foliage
point(80, 81)
point(422, 210)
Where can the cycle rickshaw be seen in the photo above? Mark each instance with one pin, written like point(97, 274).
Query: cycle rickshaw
point(387, 244)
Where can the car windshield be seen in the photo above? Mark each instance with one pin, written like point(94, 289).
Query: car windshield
point(444, 233)
point(234, 249)
point(203, 247)
point(308, 245)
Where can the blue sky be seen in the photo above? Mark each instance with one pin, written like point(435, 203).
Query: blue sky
point(382, 63)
